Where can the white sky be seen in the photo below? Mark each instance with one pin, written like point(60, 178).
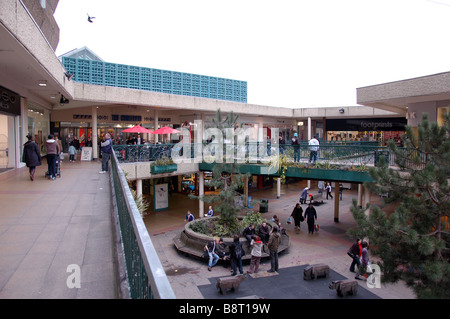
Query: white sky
point(299, 53)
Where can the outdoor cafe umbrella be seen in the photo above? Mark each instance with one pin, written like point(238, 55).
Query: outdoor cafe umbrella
point(137, 129)
point(165, 130)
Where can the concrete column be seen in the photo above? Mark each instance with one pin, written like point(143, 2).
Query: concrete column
point(336, 202)
point(201, 192)
point(278, 187)
point(309, 128)
point(155, 119)
point(94, 134)
point(139, 187)
point(360, 192)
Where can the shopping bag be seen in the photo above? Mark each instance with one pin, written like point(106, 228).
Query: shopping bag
point(289, 221)
point(316, 227)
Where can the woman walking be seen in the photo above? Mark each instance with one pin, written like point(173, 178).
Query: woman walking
point(52, 152)
point(297, 215)
point(31, 155)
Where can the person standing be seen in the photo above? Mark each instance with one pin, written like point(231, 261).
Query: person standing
point(296, 146)
point(273, 244)
point(328, 189)
point(356, 251)
point(52, 152)
point(362, 269)
point(211, 249)
point(31, 155)
point(236, 254)
point(304, 195)
point(256, 254)
point(72, 152)
point(314, 148)
point(297, 215)
point(311, 216)
point(106, 149)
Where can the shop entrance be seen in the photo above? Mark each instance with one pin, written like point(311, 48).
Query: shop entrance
point(7, 142)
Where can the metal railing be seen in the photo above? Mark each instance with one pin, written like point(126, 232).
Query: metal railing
point(144, 272)
point(334, 153)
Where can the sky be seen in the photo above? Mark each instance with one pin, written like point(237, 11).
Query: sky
point(291, 53)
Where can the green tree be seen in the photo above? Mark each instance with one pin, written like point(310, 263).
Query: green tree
point(226, 179)
point(410, 231)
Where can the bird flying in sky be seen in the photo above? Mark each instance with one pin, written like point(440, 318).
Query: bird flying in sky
point(90, 18)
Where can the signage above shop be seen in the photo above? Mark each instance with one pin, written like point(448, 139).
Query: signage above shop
point(9, 101)
point(375, 124)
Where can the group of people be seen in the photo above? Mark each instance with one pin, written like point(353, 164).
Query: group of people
point(359, 252)
point(32, 156)
point(313, 148)
point(269, 237)
point(310, 216)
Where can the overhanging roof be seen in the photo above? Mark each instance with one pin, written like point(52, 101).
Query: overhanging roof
point(396, 96)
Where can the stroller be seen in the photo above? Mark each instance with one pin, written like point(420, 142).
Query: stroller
point(59, 158)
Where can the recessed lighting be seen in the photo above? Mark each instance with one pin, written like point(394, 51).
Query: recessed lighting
point(42, 83)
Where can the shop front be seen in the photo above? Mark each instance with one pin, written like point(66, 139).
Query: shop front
point(376, 130)
point(10, 132)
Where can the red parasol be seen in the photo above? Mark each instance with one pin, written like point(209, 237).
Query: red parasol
point(165, 130)
point(137, 129)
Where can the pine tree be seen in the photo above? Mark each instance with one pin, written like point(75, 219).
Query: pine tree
point(413, 241)
point(226, 179)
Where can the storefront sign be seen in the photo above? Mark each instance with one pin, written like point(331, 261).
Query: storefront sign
point(360, 125)
point(9, 101)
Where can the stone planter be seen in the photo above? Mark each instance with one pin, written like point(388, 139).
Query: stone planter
point(192, 243)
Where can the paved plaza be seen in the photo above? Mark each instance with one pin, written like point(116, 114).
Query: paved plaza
point(46, 226)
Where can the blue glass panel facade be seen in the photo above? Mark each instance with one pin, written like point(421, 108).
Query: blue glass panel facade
point(134, 77)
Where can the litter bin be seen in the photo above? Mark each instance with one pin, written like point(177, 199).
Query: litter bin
point(378, 155)
point(264, 206)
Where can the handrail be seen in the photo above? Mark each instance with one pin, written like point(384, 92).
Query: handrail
point(145, 273)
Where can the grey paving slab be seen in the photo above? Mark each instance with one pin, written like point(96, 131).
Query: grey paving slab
point(46, 226)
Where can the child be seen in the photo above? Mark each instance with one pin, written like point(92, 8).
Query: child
point(72, 151)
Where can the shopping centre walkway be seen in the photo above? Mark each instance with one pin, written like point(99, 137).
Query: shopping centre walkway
point(46, 226)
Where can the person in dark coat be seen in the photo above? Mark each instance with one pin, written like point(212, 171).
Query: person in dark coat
point(311, 216)
point(31, 155)
point(236, 256)
point(297, 215)
point(249, 232)
point(264, 232)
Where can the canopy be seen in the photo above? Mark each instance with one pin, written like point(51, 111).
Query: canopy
point(137, 129)
point(165, 130)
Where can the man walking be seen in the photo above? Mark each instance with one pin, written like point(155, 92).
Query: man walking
point(311, 216)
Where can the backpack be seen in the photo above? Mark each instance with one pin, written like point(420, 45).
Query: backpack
point(238, 251)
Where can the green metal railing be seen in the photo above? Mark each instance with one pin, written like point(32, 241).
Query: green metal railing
point(341, 154)
point(145, 274)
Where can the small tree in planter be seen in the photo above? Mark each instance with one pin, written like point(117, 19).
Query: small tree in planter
point(227, 183)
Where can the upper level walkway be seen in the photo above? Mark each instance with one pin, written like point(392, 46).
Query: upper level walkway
point(47, 226)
